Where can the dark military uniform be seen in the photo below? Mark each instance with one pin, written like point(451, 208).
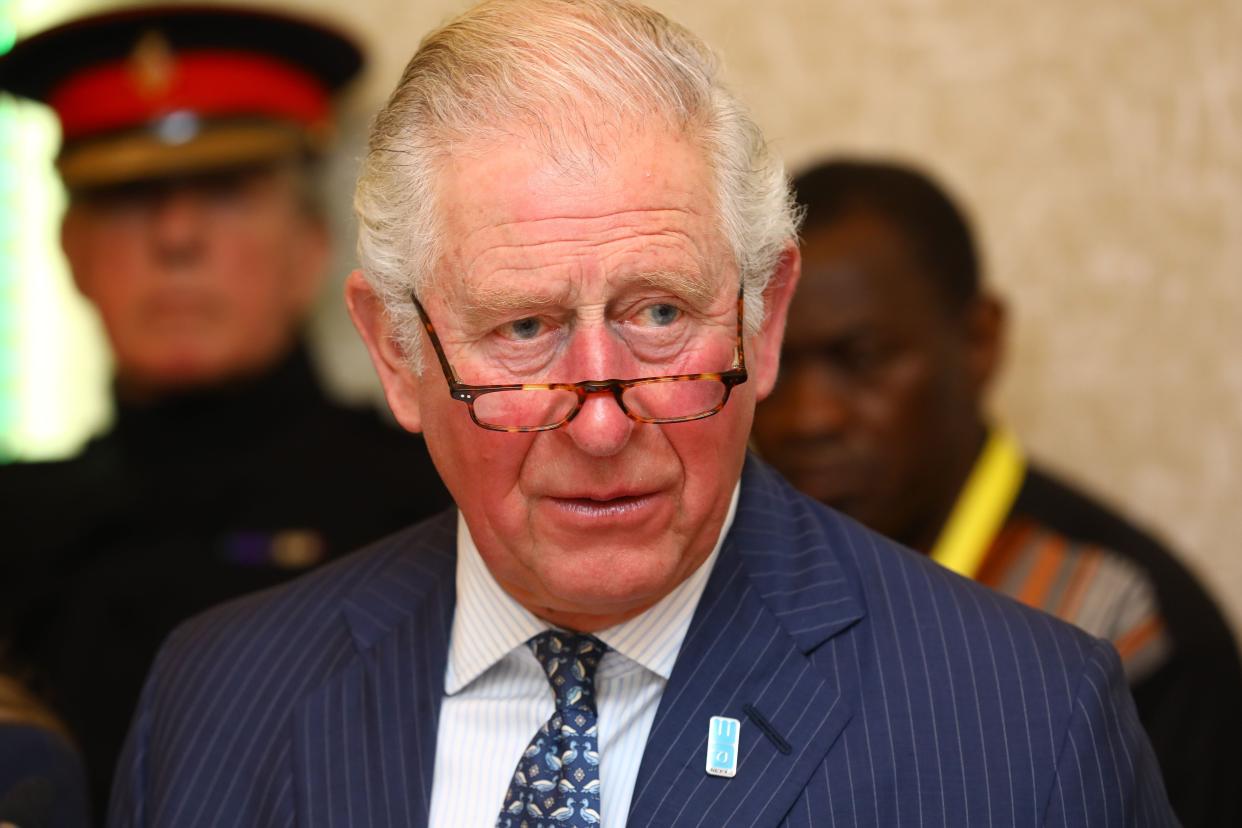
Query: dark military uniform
point(201, 496)
point(186, 503)
point(41, 777)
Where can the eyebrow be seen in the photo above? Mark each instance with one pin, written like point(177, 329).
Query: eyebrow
point(484, 303)
point(692, 285)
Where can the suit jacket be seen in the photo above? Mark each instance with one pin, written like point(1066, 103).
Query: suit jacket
point(1189, 704)
point(874, 687)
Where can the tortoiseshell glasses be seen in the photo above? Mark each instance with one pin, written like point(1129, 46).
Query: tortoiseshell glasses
point(680, 398)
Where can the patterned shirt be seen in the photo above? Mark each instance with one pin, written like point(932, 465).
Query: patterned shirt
point(1090, 586)
point(496, 695)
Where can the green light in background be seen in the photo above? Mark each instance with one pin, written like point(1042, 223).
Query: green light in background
point(8, 26)
point(53, 363)
point(10, 381)
point(10, 385)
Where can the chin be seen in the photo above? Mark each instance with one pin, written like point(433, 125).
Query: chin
point(188, 374)
point(192, 367)
point(606, 582)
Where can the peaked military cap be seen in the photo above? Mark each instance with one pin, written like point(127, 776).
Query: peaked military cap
point(155, 91)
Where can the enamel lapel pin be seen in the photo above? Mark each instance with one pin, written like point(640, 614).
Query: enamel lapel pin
point(723, 738)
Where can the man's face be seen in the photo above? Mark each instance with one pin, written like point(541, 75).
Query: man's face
point(197, 281)
point(560, 276)
point(877, 403)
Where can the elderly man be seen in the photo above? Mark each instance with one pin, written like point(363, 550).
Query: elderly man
point(891, 346)
point(578, 256)
point(189, 140)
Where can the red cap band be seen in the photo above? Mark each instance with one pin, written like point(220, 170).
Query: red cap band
point(114, 96)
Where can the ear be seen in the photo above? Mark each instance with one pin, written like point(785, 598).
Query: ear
point(763, 363)
point(985, 331)
point(400, 382)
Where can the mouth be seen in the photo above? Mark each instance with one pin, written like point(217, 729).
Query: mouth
point(176, 309)
point(604, 507)
point(608, 510)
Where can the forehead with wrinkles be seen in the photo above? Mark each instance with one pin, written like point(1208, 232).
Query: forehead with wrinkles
point(519, 229)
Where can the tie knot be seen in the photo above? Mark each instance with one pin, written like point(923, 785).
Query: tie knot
point(569, 661)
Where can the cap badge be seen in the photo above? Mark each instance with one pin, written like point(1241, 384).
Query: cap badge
point(152, 64)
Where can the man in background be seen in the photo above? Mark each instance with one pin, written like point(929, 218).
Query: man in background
point(891, 344)
point(190, 140)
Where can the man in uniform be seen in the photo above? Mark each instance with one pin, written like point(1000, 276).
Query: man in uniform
point(189, 141)
point(578, 253)
point(891, 345)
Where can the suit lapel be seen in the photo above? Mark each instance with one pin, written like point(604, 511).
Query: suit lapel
point(364, 743)
point(774, 596)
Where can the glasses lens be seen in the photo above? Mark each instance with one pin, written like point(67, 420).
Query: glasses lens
point(674, 400)
point(524, 409)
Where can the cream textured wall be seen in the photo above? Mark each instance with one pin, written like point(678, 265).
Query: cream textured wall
point(1099, 147)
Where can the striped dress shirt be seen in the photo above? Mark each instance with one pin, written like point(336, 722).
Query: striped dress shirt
point(496, 695)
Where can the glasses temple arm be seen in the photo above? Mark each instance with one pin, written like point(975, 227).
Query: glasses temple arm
point(449, 373)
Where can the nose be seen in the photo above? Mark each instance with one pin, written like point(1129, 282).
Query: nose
point(601, 428)
point(178, 224)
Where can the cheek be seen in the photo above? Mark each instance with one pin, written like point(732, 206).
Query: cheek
point(711, 452)
point(478, 466)
point(114, 273)
point(902, 419)
point(120, 302)
point(255, 276)
point(807, 398)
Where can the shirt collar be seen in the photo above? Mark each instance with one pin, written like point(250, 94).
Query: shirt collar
point(488, 623)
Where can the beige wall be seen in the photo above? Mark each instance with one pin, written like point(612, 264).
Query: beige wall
point(1099, 146)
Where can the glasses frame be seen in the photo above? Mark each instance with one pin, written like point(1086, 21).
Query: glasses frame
point(463, 392)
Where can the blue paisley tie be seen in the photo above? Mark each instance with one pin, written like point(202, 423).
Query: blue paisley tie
point(557, 779)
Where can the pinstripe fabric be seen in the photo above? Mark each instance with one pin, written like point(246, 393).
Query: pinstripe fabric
point(314, 703)
point(874, 688)
point(1091, 587)
point(906, 695)
point(993, 539)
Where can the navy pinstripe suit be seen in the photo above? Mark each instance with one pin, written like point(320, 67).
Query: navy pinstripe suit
point(874, 687)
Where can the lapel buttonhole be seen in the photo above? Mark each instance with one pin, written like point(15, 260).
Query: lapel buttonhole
point(761, 722)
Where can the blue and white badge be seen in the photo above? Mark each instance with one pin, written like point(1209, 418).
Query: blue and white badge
point(723, 737)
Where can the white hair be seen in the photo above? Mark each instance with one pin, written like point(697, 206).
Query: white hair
point(537, 68)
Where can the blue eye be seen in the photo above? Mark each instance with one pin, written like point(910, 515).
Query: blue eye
point(663, 314)
point(527, 328)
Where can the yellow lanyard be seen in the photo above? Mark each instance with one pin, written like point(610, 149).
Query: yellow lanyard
point(982, 506)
